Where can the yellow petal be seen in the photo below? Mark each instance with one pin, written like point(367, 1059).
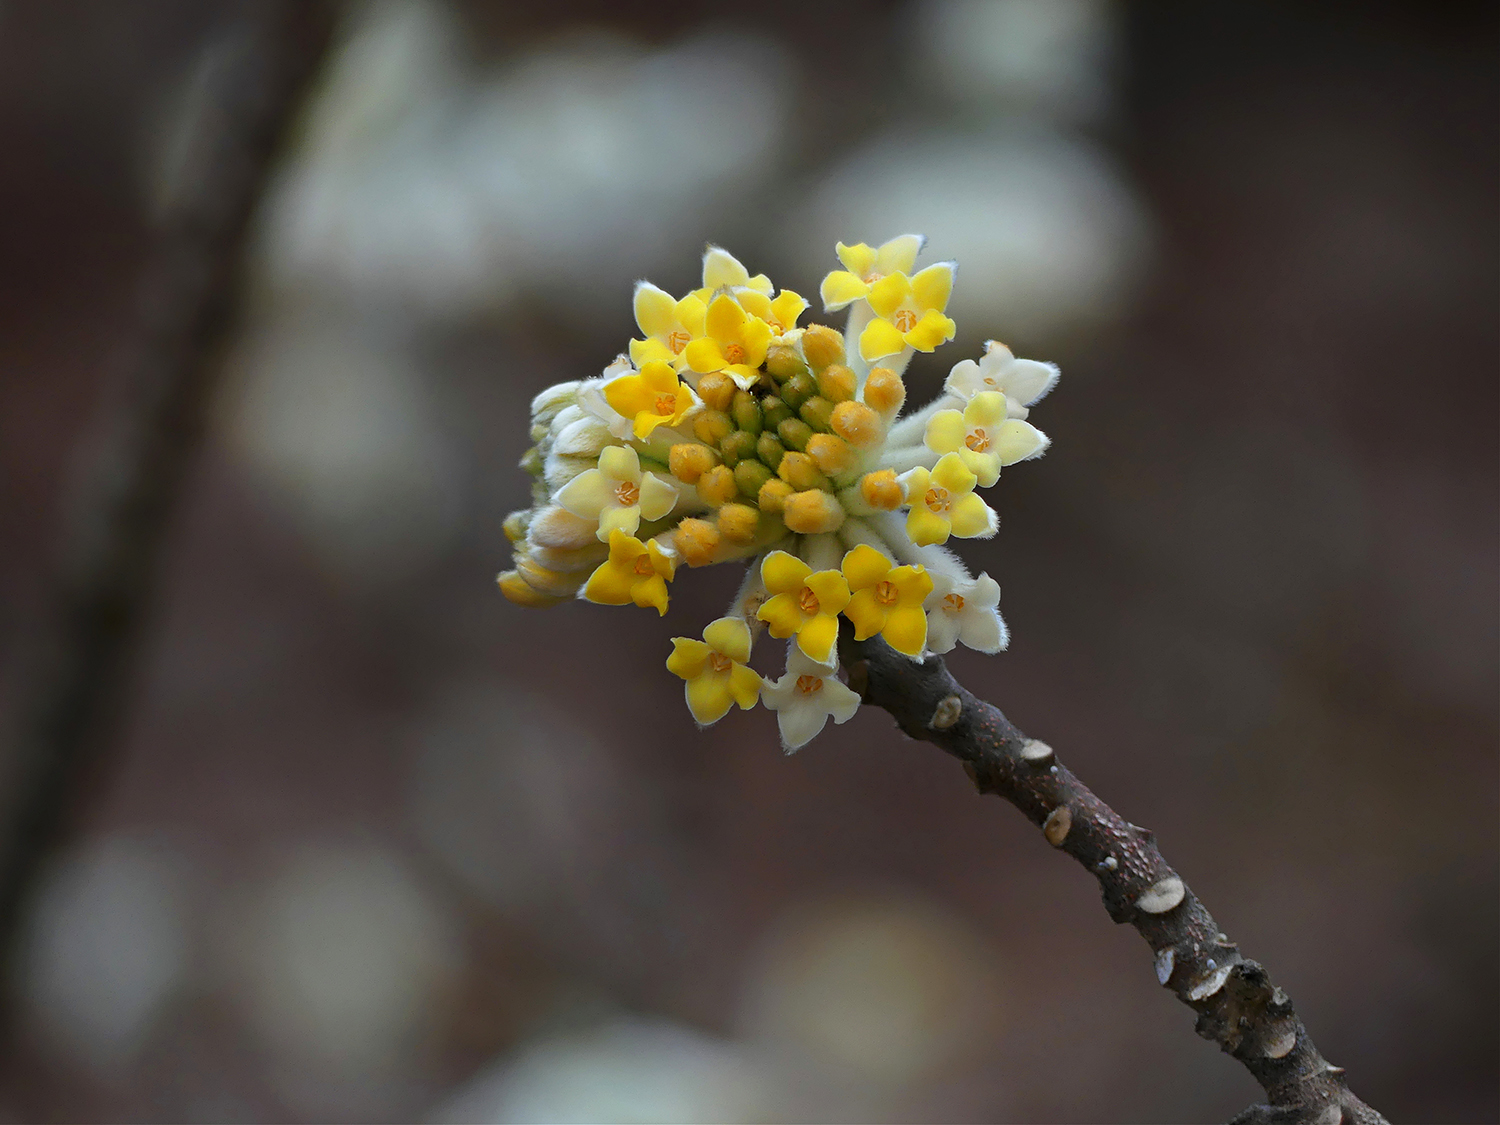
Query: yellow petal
point(840, 289)
point(984, 466)
point(916, 481)
point(663, 562)
point(731, 636)
point(783, 573)
point(864, 566)
point(690, 312)
point(831, 589)
point(587, 494)
point(931, 288)
point(629, 395)
point(889, 293)
point(658, 378)
point(725, 320)
point(899, 254)
point(858, 259)
point(786, 308)
point(621, 463)
point(756, 304)
point(933, 329)
point(643, 352)
point(951, 473)
point(971, 517)
point(755, 337)
point(906, 629)
point(986, 409)
point(946, 431)
point(624, 549)
point(623, 520)
point(1019, 440)
point(817, 637)
point(721, 268)
point(880, 339)
point(912, 583)
point(608, 585)
point(708, 697)
point(655, 310)
point(782, 615)
point(689, 657)
point(924, 528)
point(744, 686)
point(650, 593)
point(866, 613)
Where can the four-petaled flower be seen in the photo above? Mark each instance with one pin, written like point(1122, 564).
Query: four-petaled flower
point(943, 503)
point(974, 435)
point(652, 397)
point(715, 671)
point(781, 314)
point(803, 602)
point(908, 313)
point(1022, 381)
point(887, 600)
point(964, 609)
point(805, 697)
point(865, 265)
point(669, 325)
point(734, 342)
point(634, 572)
point(618, 494)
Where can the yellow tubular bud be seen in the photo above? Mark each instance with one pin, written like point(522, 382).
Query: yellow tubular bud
point(712, 426)
point(831, 453)
point(783, 362)
point(717, 485)
point(516, 524)
point(773, 494)
point(697, 540)
point(880, 490)
point(836, 383)
point(801, 472)
point(687, 462)
point(716, 389)
point(737, 522)
point(857, 424)
point(518, 590)
point(822, 345)
point(812, 513)
point(884, 391)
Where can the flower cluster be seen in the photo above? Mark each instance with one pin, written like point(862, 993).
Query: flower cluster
point(730, 433)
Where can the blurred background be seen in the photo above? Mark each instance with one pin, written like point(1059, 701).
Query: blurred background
point(377, 845)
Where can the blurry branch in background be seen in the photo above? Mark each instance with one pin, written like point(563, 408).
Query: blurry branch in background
point(247, 92)
point(1237, 1005)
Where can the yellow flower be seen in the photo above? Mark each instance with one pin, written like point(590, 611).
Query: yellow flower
point(715, 671)
point(734, 343)
point(803, 602)
point(887, 600)
point(864, 266)
point(976, 435)
point(908, 313)
point(781, 314)
point(943, 502)
point(634, 572)
point(618, 495)
point(723, 271)
point(669, 325)
point(654, 397)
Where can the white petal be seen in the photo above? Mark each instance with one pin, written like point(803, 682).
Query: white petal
point(842, 701)
point(585, 437)
point(587, 494)
point(964, 380)
point(942, 586)
point(546, 405)
point(1028, 380)
point(985, 592)
point(658, 497)
point(798, 663)
point(942, 631)
point(800, 724)
point(558, 471)
point(982, 630)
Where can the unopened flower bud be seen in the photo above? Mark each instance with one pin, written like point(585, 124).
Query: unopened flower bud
point(775, 411)
point(832, 453)
point(716, 389)
point(817, 413)
point(712, 426)
point(801, 472)
point(518, 590)
point(836, 383)
point(812, 513)
point(717, 485)
point(822, 345)
point(687, 462)
point(857, 424)
point(794, 433)
point(770, 450)
point(881, 490)
point(736, 447)
point(884, 391)
point(553, 583)
point(515, 525)
point(697, 541)
point(773, 494)
point(797, 390)
point(750, 475)
point(782, 362)
point(737, 522)
point(746, 413)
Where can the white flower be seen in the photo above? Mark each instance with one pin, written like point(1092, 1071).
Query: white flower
point(617, 494)
point(591, 398)
point(1022, 381)
point(805, 697)
point(964, 610)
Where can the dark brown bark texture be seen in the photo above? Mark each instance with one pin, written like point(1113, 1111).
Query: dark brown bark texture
point(73, 677)
point(1237, 1005)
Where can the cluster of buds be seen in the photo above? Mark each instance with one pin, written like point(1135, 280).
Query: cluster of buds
point(729, 433)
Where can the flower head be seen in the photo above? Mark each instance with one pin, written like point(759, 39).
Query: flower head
point(805, 698)
point(634, 572)
point(618, 494)
point(668, 325)
point(909, 313)
point(733, 342)
point(887, 599)
point(943, 503)
point(803, 603)
point(865, 265)
point(973, 434)
point(653, 397)
point(964, 609)
point(715, 671)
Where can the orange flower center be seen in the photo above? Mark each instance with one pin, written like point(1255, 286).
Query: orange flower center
point(872, 277)
point(734, 353)
point(666, 404)
point(807, 601)
point(953, 602)
point(904, 320)
point(678, 340)
point(938, 499)
point(977, 440)
point(809, 684)
point(886, 592)
point(643, 565)
point(990, 381)
point(719, 662)
point(627, 494)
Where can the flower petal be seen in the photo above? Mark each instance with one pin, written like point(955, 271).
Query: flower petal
point(864, 566)
point(689, 657)
point(731, 636)
point(942, 631)
point(650, 593)
point(839, 289)
point(1027, 380)
point(900, 253)
point(725, 320)
point(782, 615)
point(801, 721)
point(933, 329)
point(879, 339)
point(888, 294)
point(924, 528)
point(587, 495)
point(986, 409)
point(783, 573)
point(703, 355)
point(657, 497)
point(608, 585)
point(982, 630)
point(621, 463)
point(643, 352)
point(721, 268)
point(906, 630)
point(972, 518)
point(817, 637)
point(831, 589)
point(744, 686)
point(708, 697)
point(912, 583)
point(858, 259)
point(946, 431)
point(931, 288)
point(1018, 441)
point(866, 613)
point(951, 473)
point(616, 518)
point(655, 309)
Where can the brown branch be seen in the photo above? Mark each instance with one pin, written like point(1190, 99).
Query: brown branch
point(1237, 1005)
point(74, 677)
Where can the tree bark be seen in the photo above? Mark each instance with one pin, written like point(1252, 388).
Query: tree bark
point(1237, 1005)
